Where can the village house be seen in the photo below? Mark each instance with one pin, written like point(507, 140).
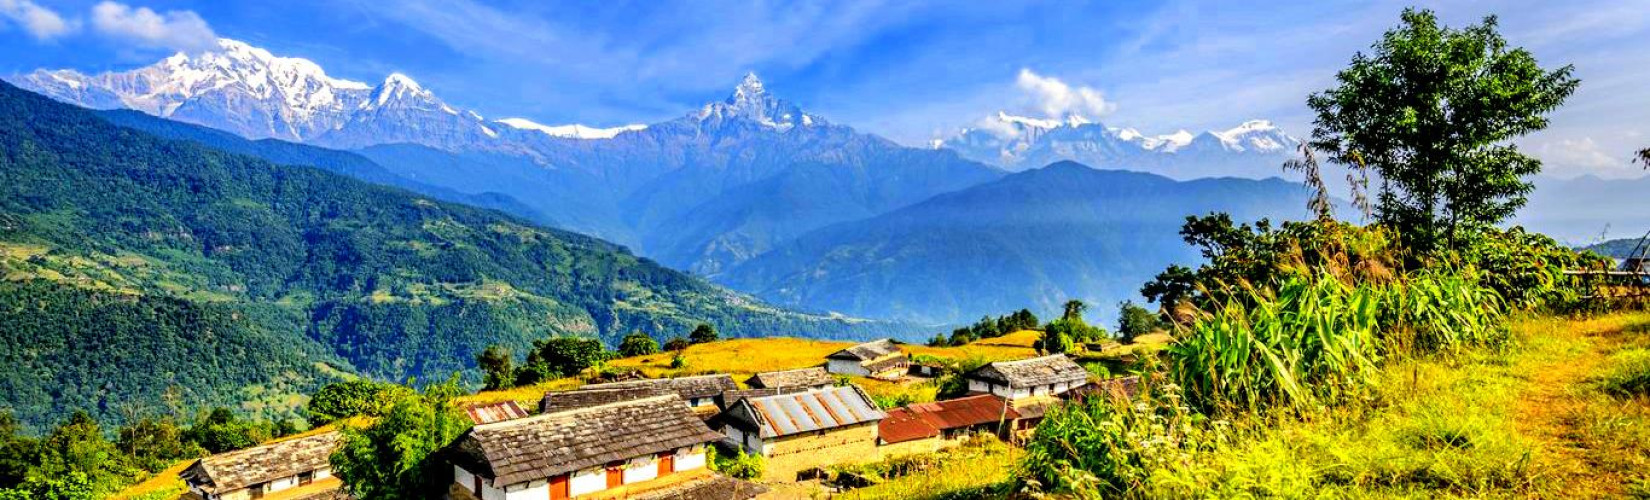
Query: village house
point(1031, 386)
point(804, 379)
point(929, 427)
point(800, 431)
point(494, 412)
point(700, 392)
point(294, 469)
point(1050, 375)
point(640, 449)
point(877, 359)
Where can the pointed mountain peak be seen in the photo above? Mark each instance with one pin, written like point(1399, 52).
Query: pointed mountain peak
point(750, 86)
point(751, 102)
point(399, 80)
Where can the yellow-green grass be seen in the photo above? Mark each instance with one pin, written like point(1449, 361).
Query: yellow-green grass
point(971, 471)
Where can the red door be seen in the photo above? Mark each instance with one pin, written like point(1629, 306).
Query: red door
point(615, 476)
point(558, 488)
point(667, 463)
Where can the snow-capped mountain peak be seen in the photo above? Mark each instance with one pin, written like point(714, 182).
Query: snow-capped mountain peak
point(401, 90)
point(751, 102)
point(573, 131)
point(1017, 142)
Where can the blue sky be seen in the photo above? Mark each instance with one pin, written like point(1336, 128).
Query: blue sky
point(908, 70)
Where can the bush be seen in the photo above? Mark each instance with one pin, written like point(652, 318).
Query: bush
point(741, 465)
point(1099, 447)
point(638, 344)
point(351, 398)
point(677, 344)
point(703, 333)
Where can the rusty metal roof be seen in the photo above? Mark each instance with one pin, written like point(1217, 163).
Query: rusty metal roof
point(495, 412)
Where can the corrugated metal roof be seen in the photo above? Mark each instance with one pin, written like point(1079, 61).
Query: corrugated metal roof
point(495, 412)
point(787, 414)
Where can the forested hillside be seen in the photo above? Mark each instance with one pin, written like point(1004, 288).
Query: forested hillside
point(275, 271)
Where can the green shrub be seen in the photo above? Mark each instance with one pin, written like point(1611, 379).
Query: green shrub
point(741, 465)
point(1099, 447)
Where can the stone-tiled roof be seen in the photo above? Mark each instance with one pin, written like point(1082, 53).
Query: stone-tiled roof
point(494, 412)
point(805, 377)
point(260, 464)
point(1051, 369)
point(787, 414)
point(700, 386)
point(1120, 387)
point(552, 444)
point(892, 363)
point(712, 487)
point(593, 395)
point(868, 351)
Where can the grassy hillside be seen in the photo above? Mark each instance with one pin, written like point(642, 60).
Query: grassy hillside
point(281, 277)
point(1547, 418)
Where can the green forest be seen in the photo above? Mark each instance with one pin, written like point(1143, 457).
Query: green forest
point(135, 265)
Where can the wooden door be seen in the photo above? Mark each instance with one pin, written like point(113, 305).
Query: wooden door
point(615, 476)
point(667, 463)
point(558, 488)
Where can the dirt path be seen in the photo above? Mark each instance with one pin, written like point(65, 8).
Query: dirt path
point(1554, 407)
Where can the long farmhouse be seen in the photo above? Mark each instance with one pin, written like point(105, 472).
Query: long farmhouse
point(649, 448)
point(700, 392)
point(294, 469)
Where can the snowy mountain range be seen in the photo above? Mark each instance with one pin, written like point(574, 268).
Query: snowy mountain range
point(255, 94)
point(729, 182)
point(1255, 148)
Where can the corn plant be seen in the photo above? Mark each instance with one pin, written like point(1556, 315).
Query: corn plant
point(1315, 337)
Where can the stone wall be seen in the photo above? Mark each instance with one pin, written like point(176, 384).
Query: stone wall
point(792, 454)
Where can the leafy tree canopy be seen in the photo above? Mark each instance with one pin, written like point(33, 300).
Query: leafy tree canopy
point(703, 333)
point(1432, 111)
point(393, 457)
point(638, 344)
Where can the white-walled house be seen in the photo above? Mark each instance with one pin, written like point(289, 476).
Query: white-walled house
point(799, 431)
point(641, 448)
point(289, 469)
point(1050, 375)
point(877, 359)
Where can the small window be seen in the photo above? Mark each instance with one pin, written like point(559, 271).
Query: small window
point(257, 490)
point(306, 478)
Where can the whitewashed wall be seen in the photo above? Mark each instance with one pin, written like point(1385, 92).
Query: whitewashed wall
point(282, 483)
point(846, 367)
point(689, 459)
point(460, 476)
point(536, 490)
point(641, 469)
point(587, 481)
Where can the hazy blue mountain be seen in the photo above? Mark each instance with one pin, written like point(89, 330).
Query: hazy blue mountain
point(1619, 248)
point(1032, 239)
point(1584, 209)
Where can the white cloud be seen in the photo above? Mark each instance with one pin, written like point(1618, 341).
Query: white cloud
point(1582, 155)
point(41, 23)
point(174, 30)
point(1057, 99)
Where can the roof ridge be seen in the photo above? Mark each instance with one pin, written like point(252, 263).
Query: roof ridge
point(1027, 360)
point(575, 411)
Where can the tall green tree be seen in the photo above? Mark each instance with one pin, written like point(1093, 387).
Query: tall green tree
point(1074, 309)
point(703, 333)
point(638, 344)
point(1432, 111)
point(393, 457)
point(1134, 321)
point(351, 398)
point(560, 357)
point(498, 367)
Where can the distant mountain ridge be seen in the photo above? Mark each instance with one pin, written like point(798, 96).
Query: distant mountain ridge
point(1253, 149)
point(1031, 239)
